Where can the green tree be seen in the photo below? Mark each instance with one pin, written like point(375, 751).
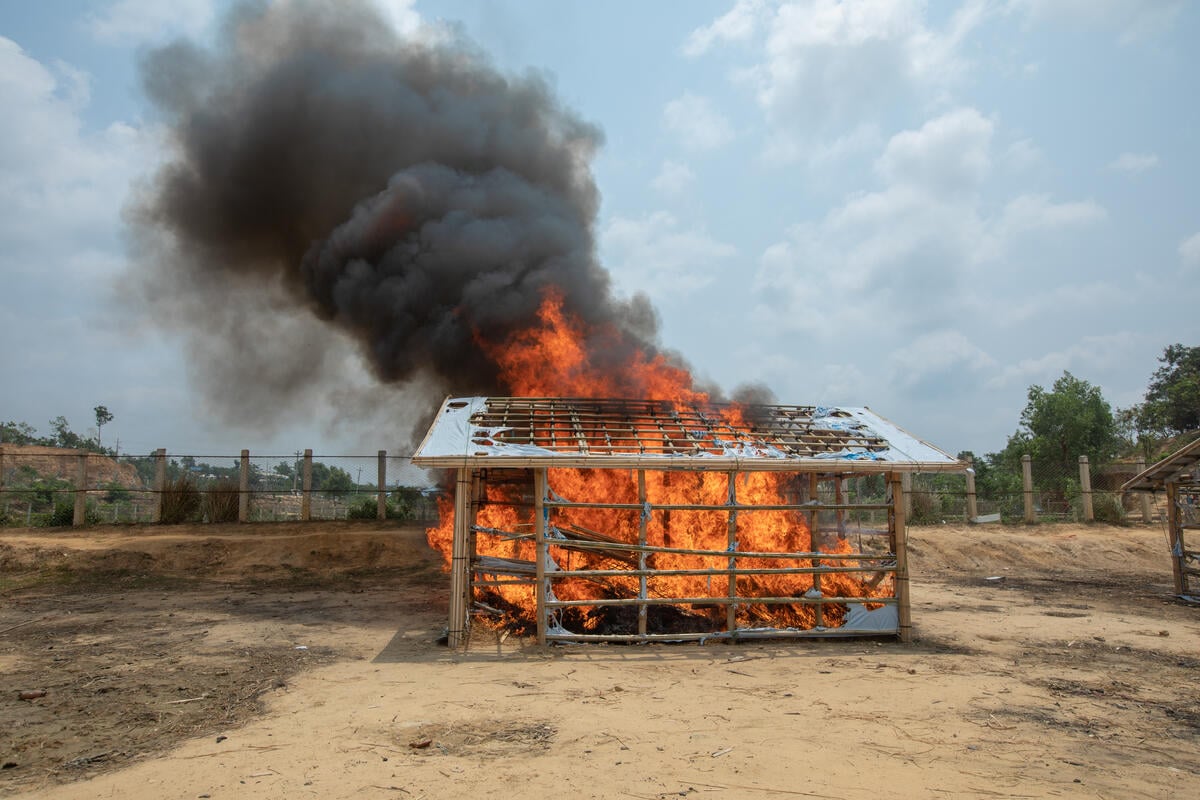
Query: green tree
point(1070, 420)
point(103, 417)
point(15, 432)
point(1173, 396)
point(337, 481)
point(63, 435)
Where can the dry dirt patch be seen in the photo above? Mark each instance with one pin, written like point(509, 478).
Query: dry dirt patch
point(1049, 662)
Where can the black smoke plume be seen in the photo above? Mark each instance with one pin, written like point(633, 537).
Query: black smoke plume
point(400, 189)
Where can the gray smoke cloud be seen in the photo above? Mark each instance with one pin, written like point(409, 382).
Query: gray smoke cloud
point(403, 192)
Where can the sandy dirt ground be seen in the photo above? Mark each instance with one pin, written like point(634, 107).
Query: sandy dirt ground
point(284, 661)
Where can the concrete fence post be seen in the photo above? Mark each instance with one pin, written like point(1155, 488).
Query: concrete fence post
point(1027, 483)
point(306, 487)
point(972, 499)
point(381, 484)
point(1144, 496)
point(1085, 489)
point(160, 483)
point(80, 517)
point(244, 487)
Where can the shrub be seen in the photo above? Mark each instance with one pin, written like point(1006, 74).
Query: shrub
point(367, 508)
point(63, 516)
point(180, 501)
point(221, 501)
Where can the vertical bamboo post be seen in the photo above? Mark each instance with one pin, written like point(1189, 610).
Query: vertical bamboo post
point(1085, 489)
point(1027, 484)
point(906, 480)
point(972, 499)
point(814, 523)
point(2, 494)
point(244, 488)
point(160, 483)
point(80, 516)
point(1144, 496)
point(899, 536)
point(731, 539)
point(643, 522)
point(381, 483)
point(1175, 538)
point(306, 486)
point(456, 630)
point(539, 535)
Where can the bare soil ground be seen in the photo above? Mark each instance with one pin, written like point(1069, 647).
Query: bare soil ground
point(291, 660)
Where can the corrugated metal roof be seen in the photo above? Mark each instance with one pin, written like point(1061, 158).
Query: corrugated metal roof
point(1178, 467)
point(652, 434)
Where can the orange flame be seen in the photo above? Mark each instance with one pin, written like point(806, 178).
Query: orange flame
point(556, 357)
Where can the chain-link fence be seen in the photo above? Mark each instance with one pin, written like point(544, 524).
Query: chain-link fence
point(40, 486)
point(43, 486)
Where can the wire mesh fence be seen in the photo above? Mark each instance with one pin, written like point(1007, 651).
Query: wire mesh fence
point(41, 486)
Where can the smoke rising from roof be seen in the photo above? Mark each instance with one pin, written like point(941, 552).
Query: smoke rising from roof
point(402, 190)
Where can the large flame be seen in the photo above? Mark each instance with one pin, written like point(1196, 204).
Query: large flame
point(556, 357)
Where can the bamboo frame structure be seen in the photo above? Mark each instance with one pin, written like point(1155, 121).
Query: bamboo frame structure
point(836, 590)
point(1178, 476)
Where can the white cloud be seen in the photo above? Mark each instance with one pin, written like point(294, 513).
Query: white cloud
point(925, 233)
point(738, 24)
point(697, 123)
point(934, 354)
point(830, 67)
point(673, 178)
point(126, 21)
point(949, 154)
point(1134, 162)
point(1134, 20)
point(656, 255)
point(1088, 354)
point(1022, 155)
point(1189, 251)
point(1030, 212)
point(402, 15)
point(59, 184)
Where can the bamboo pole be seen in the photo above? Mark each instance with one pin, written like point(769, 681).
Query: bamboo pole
point(1144, 496)
point(456, 629)
point(1175, 538)
point(160, 483)
point(1085, 489)
point(778, 633)
point(903, 610)
point(1027, 486)
point(731, 539)
point(381, 487)
point(814, 488)
point(306, 487)
point(643, 522)
point(972, 499)
point(539, 527)
point(583, 544)
point(906, 480)
point(2, 495)
point(244, 487)
point(80, 515)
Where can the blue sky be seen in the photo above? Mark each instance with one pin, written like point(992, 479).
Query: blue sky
point(920, 207)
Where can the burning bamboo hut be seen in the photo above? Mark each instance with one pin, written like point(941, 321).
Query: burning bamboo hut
point(641, 520)
point(1178, 476)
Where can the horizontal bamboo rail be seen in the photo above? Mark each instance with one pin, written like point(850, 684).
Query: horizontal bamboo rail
point(739, 571)
point(577, 544)
point(739, 634)
point(721, 507)
point(719, 601)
